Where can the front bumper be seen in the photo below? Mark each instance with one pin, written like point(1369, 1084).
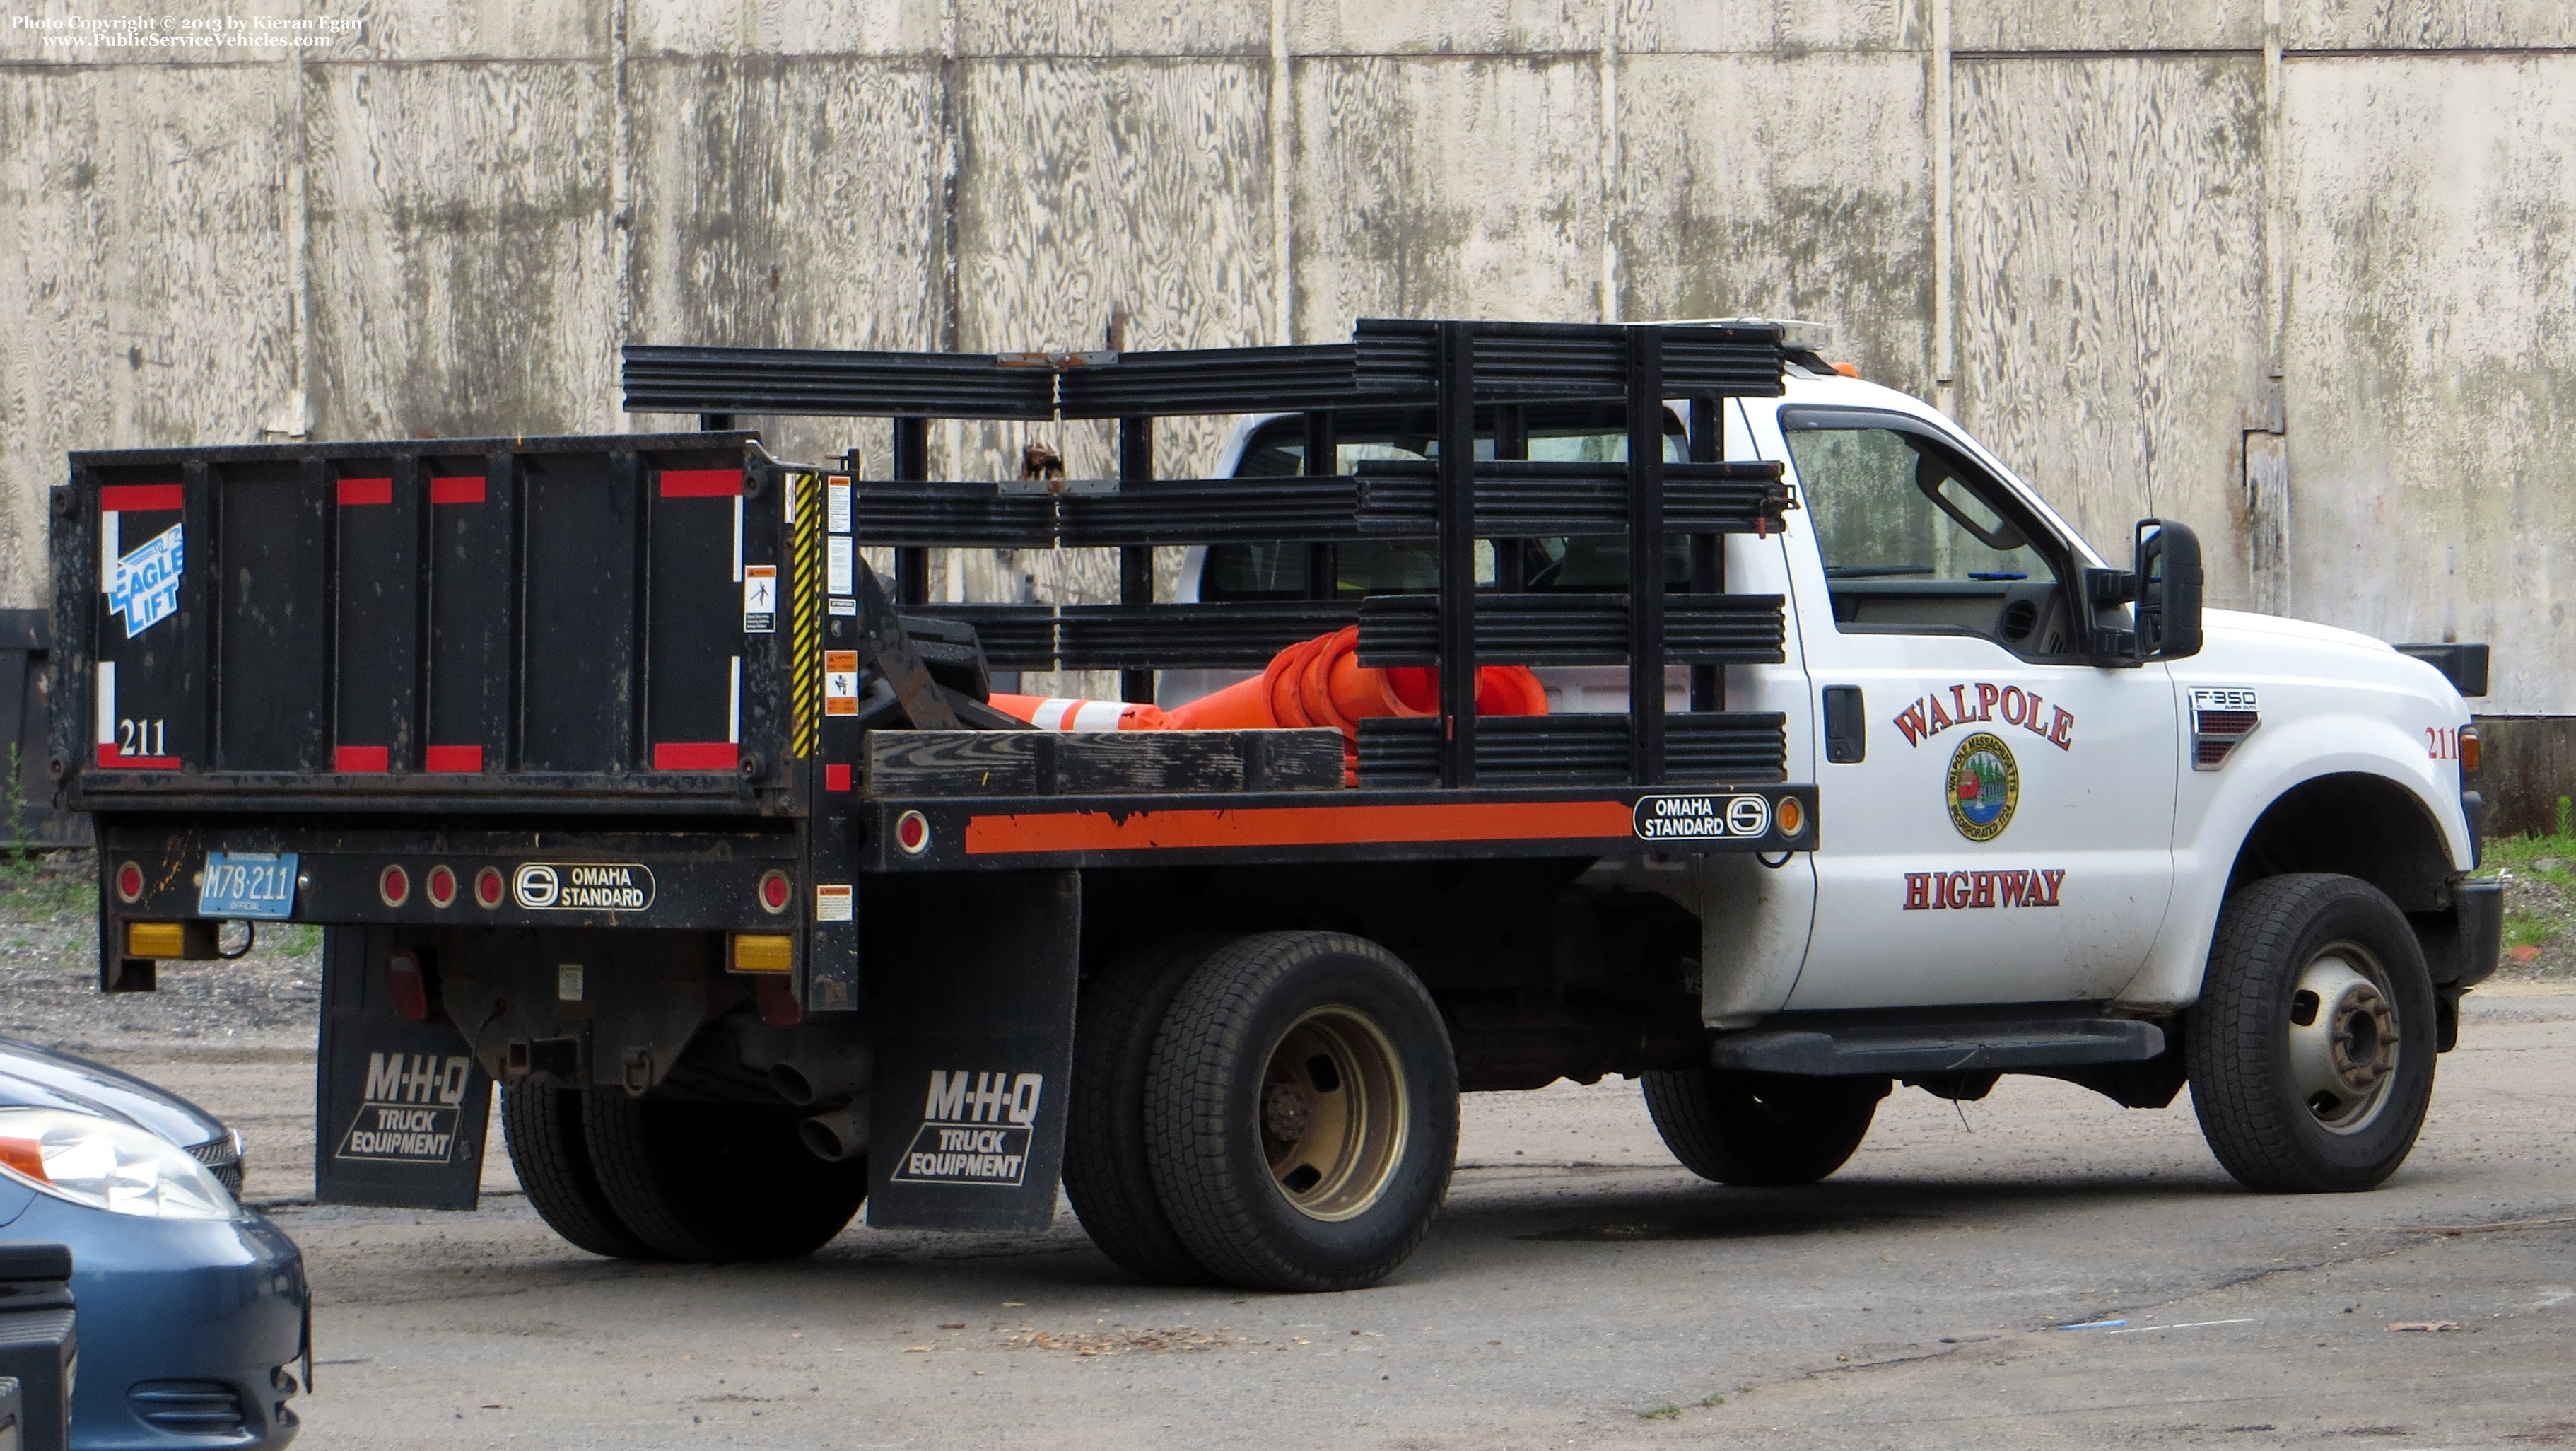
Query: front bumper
point(187, 1327)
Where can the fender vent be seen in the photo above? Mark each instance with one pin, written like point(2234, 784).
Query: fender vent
point(188, 1407)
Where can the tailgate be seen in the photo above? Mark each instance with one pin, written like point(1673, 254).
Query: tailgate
point(554, 622)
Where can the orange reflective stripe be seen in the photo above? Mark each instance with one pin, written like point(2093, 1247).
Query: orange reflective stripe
point(1296, 826)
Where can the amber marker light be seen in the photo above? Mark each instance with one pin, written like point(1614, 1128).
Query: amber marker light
point(763, 952)
point(1790, 816)
point(155, 939)
point(2468, 755)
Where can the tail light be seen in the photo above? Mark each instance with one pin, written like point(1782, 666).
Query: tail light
point(2469, 750)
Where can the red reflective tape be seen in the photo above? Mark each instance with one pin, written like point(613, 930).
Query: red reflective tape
point(701, 483)
point(109, 758)
point(453, 758)
point(457, 489)
point(361, 758)
point(836, 778)
point(366, 491)
point(1297, 826)
point(138, 498)
point(696, 756)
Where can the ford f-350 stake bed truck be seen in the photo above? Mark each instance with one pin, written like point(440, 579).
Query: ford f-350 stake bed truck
point(615, 774)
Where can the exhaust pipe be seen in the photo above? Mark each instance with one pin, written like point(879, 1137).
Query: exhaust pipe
point(839, 1135)
point(810, 1079)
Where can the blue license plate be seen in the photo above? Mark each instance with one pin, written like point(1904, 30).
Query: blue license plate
point(258, 884)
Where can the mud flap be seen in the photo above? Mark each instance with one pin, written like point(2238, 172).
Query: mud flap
point(401, 1105)
point(970, 988)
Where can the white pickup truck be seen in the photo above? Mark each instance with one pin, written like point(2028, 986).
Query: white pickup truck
point(2245, 867)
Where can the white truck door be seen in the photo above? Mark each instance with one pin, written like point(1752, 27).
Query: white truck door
point(2005, 833)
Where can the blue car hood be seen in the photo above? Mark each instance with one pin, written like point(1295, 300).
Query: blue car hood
point(33, 1077)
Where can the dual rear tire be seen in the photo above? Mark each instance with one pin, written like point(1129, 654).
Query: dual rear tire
point(1278, 1112)
point(654, 1179)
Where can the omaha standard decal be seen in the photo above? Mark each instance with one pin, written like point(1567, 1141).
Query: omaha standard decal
point(975, 1129)
point(410, 1109)
point(1698, 818)
point(1961, 891)
point(583, 886)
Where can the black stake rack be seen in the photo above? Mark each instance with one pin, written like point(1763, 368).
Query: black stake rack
point(1460, 371)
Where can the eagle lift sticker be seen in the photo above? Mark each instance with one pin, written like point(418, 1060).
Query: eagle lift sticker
point(144, 586)
point(409, 1112)
point(1698, 818)
point(1983, 787)
point(1981, 704)
point(975, 1129)
point(1960, 891)
point(583, 886)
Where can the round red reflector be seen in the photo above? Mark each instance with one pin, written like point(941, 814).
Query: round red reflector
point(442, 886)
point(912, 833)
point(129, 882)
point(394, 885)
point(774, 891)
point(487, 888)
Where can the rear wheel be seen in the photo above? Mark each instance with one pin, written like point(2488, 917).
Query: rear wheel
point(552, 1157)
point(1108, 1173)
point(2311, 1049)
point(717, 1182)
point(1756, 1129)
point(1301, 1112)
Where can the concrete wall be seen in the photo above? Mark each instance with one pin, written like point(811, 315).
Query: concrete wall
point(2298, 271)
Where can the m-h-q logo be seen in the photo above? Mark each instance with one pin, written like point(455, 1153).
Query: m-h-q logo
point(976, 1129)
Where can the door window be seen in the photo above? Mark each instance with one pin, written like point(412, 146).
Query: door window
point(1917, 540)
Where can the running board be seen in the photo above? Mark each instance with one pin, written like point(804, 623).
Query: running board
point(1894, 1050)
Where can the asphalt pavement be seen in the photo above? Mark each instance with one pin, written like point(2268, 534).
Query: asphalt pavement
point(2039, 1268)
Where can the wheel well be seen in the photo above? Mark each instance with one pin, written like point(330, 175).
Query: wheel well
point(2353, 825)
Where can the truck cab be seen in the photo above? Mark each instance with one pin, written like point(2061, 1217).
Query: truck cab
point(2021, 816)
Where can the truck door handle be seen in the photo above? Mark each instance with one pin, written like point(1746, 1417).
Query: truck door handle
point(1846, 724)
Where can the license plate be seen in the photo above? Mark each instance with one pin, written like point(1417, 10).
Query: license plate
point(258, 884)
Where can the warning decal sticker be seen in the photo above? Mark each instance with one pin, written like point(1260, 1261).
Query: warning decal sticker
point(840, 682)
point(410, 1109)
point(760, 599)
point(975, 1129)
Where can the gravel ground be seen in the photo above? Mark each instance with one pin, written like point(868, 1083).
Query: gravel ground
point(49, 994)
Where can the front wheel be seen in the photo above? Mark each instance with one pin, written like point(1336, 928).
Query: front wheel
point(1301, 1112)
point(1757, 1129)
point(2311, 1049)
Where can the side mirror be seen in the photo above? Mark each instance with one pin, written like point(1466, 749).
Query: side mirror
point(2169, 587)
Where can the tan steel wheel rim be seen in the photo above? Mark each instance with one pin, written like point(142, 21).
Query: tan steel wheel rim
point(1333, 1113)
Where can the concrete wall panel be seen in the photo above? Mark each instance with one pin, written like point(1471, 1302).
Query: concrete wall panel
point(2046, 25)
point(2425, 24)
point(1787, 28)
point(1103, 28)
point(2432, 357)
point(785, 27)
point(1446, 188)
point(1723, 214)
point(465, 268)
point(145, 273)
point(1350, 28)
point(2110, 264)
